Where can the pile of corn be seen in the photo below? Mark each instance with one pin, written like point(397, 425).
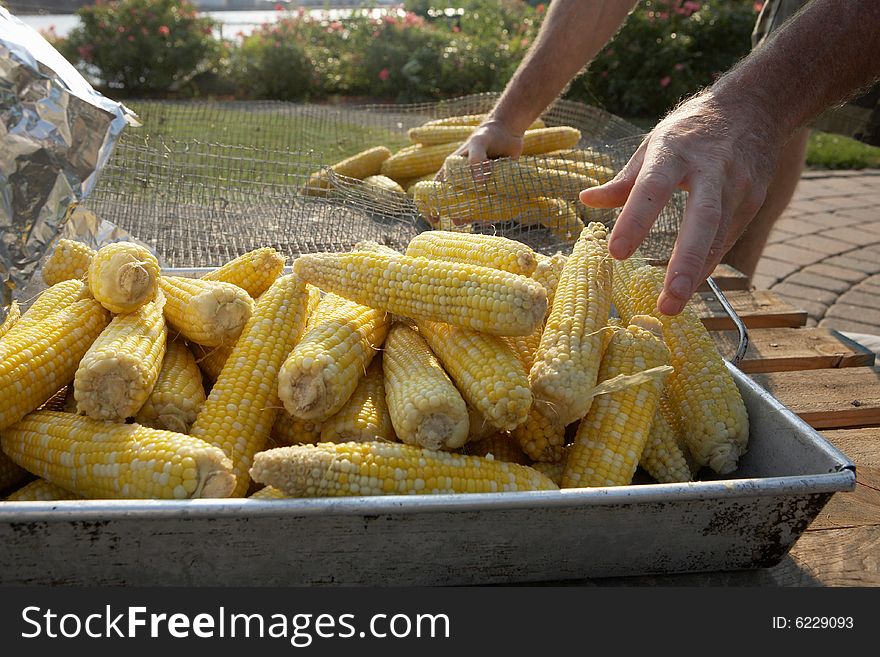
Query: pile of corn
point(469, 363)
point(540, 188)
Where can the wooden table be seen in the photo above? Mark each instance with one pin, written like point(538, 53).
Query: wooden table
point(833, 384)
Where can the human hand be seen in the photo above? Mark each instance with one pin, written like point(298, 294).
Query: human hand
point(491, 139)
point(722, 151)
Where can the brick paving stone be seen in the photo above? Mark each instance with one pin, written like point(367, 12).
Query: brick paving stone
point(870, 227)
point(792, 254)
point(855, 313)
point(778, 269)
point(824, 245)
point(863, 297)
point(826, 271)
point(852, 234)
point(812, 308)
point(851, 262)
point(809, 278)
point(763, 282)
point(780, 236)
point(797, 226)
point(871, 213)
point(804, 293)
point(853, 201)
point(839, 324)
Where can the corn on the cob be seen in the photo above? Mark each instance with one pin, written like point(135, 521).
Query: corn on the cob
point(101, 459)
point(253, 271)
point(211, 359)
point(457, 119)
point(545, 140)
point(542, 435)
point(707, 406)
point(178, 394)
point(484, 250)
point(269, 493)
point(419, 161)
point(69, 260)
point(662, 457)
point(425, 407)
point(589, 162)
point(51, 301)
point(547, 273)
point(118, 372)
point(345, 469)
point(39, 360)
point(364, 417)
point(480, 298)
point(292, 431)
point(40, 490)
point(359, 166)
point(383, 185)
point(209, 313)
point(551, 469)
point(457, 128)
point(123, 276)
point(243, 403)
point(611, 438)
point(324, 368)
point(516, 177)
point(13, 314)
point(499, 446)
point(567, 362)
point(485, 370)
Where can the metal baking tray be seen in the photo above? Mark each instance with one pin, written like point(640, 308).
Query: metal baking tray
point(745, 521)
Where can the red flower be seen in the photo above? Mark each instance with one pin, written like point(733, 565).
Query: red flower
point(383, 74)
point(758, 6)
point(540, 8)
point(164, 31)
point(279, 7)
point(664, 82)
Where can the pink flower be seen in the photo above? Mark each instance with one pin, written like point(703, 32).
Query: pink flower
point(540, 8)
point(383, 74)
point(301, 12)
point(679, 67)
point(335, 26)
point(525, 43)
point(664, 82)
point(164, 31)
point(413, 20)
point(692, 6)
point(85, 52)
point(758, 6)
point(131, 37)
point(279, 7)
point(121, 29)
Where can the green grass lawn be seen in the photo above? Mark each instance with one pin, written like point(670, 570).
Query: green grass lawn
point(829, 151)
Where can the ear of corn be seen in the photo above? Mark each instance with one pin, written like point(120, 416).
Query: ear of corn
point(430, 135)
point(499, 446)
point(383, 184)
point(364, 417)
point(551, 469)
point(123, 276)
point(40, 490)
point(269, 493)
point(425, 407)
point(547, 273)
point(209, 313)
point(611, 438)
point(483, 250)
point(545, 140)
point(54, 300)
point(178, 394)
point(516, 177)
point(253, 271)
point(707, 408)
point(211, 359)
point(485, 370)
point(663, 457)
point(99, 459)
point(69, 260)
point(40, 359)
point(291, 431)
point(13, 314)
point(419, 161)
point(118, 372)
point(363, 469)
point(590, 162)
point(11, 474)
point(479, 298)
point(542, 435)
point(243, 403)
point(567, 362)
point(361, 165)
point(324, 368)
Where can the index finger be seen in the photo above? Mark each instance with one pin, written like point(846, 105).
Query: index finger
point(655, 184)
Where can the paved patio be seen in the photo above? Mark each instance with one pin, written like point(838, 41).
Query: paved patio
point(824, 253)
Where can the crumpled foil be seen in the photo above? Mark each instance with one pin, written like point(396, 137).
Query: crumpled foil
point(56, 134)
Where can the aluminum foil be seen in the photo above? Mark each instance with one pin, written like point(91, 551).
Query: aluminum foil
point(56, 134)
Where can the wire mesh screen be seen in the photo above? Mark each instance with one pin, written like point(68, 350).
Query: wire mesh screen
point(202, 182)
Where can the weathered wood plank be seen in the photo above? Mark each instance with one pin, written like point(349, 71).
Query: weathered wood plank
point(782, 349)
point(757, 309)
point(830, 398)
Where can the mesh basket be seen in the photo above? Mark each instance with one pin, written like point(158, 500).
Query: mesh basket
point(204, 182)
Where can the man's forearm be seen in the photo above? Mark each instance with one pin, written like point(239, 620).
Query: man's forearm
point(825, 54)
point(572, 33)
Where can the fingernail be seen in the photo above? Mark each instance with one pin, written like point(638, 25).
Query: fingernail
point(681, 287)
point(620, 248)
point(669, 305)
